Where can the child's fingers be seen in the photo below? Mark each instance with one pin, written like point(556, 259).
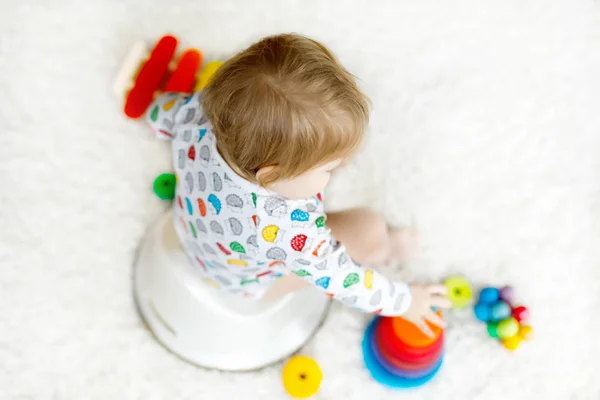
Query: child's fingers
point(434, 319)
point(437, 289)
point(422, 325)
point(441, 302)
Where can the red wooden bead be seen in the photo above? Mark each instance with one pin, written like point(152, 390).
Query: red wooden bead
point(520, 313)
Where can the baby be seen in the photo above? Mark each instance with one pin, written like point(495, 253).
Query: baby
point(253, 153)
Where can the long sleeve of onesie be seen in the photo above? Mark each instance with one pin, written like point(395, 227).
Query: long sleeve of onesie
point(293, 236)
point(163, 113)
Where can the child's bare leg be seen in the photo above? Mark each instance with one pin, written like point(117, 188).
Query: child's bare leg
point(405, 243)
point(368, 238)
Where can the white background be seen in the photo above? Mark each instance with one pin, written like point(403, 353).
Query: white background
point(485, 130)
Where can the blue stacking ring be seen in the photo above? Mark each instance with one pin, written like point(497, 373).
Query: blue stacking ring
point(384, 376)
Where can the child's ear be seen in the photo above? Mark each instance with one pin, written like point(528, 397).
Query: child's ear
point(267, 174)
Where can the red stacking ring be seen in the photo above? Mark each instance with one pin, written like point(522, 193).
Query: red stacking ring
point(387, 328)
point(395, 354)
point(410, 364)
point(406, 370)
point(387, 339)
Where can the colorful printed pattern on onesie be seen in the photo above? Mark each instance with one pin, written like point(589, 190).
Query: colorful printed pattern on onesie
point(214, 208)
point(294, 235)
point(241, 237)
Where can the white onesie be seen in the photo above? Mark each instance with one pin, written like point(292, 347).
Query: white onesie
point(242, 237)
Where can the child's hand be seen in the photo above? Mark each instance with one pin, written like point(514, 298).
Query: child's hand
point(424, 297)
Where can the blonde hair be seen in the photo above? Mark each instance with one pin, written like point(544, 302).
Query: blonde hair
point(284, 101)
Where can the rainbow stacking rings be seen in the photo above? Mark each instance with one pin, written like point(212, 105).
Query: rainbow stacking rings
point(399, 355)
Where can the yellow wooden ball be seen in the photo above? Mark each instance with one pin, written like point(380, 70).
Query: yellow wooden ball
point(526, 332)
point(301, 377)
point(511, 343)
point(459, 291)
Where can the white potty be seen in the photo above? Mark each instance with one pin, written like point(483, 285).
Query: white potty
point(212, 328)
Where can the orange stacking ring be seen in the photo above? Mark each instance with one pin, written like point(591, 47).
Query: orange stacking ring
point(410, 334)
point(386, 327)
point(396, 347)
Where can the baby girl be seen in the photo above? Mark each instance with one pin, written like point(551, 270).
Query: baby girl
point(253, 153)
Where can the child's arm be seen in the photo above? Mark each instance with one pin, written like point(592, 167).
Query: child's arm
point(162, 113)
point(292, 234)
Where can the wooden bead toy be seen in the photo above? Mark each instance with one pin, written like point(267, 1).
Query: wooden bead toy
point(489, 295)
point(492, 329)
point(503, 320)
point(507, 294)
point(525, 332)
point(508, 328)
point(483, 312)
point(511, 343)
point(399, 355)
point(499, 311)
point(520, 313)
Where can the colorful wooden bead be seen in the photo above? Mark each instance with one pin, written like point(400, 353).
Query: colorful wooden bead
point(511, 343)
point(526, 332)
point(492, 329)
point(482, 312)
point(520, 313)
point(508, 328)
point(499, 311)
point(164, 186)
point(301, 377)
point(507, 294)
point(459, 291)
point(489, 295)
point(494, 307)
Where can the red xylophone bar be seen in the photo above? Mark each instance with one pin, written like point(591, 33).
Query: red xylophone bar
point(183, 78)
point(150, 77)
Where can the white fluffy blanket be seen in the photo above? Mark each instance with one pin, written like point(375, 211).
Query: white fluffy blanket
point(485, 130)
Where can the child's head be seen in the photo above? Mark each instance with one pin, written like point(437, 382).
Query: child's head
point(285, 113)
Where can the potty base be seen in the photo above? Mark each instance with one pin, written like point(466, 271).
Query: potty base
point(212, 328)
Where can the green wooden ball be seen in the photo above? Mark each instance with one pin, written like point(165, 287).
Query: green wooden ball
point(492, 329)
point(164, 186)
point(507, 328)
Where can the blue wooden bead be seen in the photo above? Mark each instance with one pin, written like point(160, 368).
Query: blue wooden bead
point(499, 311)
point(489, 295)
point(482, 312)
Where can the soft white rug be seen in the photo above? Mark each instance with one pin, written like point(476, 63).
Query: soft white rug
point(485, 130)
